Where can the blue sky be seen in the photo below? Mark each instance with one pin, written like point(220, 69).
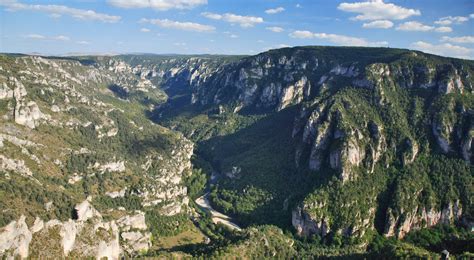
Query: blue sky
point(233, 26)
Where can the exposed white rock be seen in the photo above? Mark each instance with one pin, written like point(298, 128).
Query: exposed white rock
point(118, 166)
point(37, 225)
point(28, 114)
point(85, 210)
point(321, 141)
point(418, 218)
point(15, 238)
point(5, 91)
point(17, 166)
point(136, 221)
point(74, 178)
point(305, 225)
point(68, 234)
point(110, 249)
point(136, 241)
point(117, 194)
point(55, 109)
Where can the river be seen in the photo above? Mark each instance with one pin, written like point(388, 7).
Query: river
point(217, 217)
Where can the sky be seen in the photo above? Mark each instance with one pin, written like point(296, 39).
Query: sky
point(443, 27)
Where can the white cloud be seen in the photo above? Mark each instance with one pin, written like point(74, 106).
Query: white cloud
point(185, 26)
point(302, 34)
point(58, 10)
point(234, 36)
point(471, 16)
point(452, 19)
point(461, 39)
point(145, 30)
point(377, 10)
point(61, 38)
point(83, 42)
point(275, 10)
point(161, 5)
point(444, 29)
point(414, 26)
point(379, 24)
point(243, 21)
point(298, 6)
point(444, 49)
point(212, 15)
point(275, 29)
point(336, 38)
point(35, 36)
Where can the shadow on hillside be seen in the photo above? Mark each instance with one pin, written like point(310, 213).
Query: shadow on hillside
point(265, 152)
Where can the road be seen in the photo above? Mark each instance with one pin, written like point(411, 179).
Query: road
point(217, 217)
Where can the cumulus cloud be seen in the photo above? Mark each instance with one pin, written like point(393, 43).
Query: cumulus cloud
point(58, 10)
point(452, 19)
point(161, 5)
point(145, 30)
point(275, 10)
point(243, 21)
point(444, 29)
point(377, 10)
point(444, 49)
point(460, 39)
point(185, 26)
point(413, 26)
point(379, 24)
point(275, 29)
point(336, 38)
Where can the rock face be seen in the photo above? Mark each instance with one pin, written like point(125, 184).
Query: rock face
point(306, 226)
point(88, 236)
point(15, 238)
point(59, 123)
point(358, 114)
point(85, 211)
point(399, 225)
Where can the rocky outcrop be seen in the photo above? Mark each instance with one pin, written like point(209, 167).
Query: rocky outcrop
point(136, 241)
point(321, 142)
point(399, 224)
point(27, 114)
point(16, 166)
point(85, 211)
point(306, 226)
point(88, 236)
point(15, 239)
point(166, 187)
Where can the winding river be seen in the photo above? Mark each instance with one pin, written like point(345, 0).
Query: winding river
point(217, 217)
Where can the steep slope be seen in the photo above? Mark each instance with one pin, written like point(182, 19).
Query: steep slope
point(366, 119)
point(338, 145)
point(79, 166)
